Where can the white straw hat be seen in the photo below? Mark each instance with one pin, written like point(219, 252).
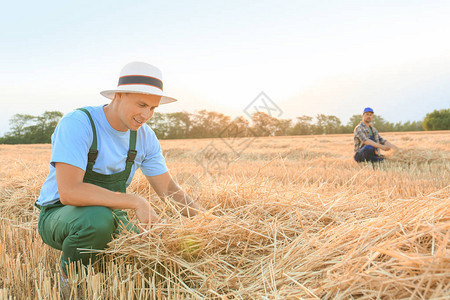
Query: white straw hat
point(141, 78)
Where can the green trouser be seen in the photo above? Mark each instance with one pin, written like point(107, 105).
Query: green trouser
point(71, 228)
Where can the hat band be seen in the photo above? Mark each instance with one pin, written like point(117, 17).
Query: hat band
point(135, 79)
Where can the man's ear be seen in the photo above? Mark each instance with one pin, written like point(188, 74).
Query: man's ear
point(117, 97)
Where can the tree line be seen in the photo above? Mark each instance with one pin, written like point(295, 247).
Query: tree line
point(29, 129)
point(208, 124)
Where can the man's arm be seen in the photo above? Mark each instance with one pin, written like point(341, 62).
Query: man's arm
point(384, 147)
point(385, 142)
point(390, 145)
point(73, 191)
point(165, 187)
point(362, 135)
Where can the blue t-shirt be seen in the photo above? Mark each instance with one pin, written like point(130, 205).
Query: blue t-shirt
point(73, 137)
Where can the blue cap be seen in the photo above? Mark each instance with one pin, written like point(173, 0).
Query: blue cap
point(368, 109)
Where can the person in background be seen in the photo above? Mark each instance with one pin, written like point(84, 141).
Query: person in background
point(368, 141)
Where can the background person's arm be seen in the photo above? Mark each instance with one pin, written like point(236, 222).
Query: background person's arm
point(165, 187)
point(390, 145)
point(73, 191)
point(386, 143)
point(376, 145)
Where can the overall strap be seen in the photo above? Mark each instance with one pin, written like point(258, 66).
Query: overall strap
point(93, 152)
point(131, 154)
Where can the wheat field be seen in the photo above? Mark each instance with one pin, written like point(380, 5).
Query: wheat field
point(286, 218)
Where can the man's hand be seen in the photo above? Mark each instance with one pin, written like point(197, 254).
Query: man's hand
point(391, 146)
point(385, 147)
point(165, 187)
point(145, 213)
point(377, 145)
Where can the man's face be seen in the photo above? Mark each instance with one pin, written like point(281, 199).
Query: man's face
point(367, 117)
point(135, 109)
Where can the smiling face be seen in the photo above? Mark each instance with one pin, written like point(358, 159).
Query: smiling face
point(131, 110)
point(367, 117)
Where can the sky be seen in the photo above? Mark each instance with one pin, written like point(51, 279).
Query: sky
point(308, 57)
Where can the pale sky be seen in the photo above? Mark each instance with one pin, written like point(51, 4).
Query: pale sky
point(309, 57)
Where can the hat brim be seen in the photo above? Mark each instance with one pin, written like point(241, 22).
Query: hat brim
point(110, 95)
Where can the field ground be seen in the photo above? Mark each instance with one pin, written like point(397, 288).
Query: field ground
point(287, 217)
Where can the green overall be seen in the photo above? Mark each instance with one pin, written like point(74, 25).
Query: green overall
point(69, 228)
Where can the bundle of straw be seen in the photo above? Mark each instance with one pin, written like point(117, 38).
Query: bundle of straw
point(418, 156)
point(293, 247)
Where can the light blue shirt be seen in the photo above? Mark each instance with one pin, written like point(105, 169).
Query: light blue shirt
point(73, 138)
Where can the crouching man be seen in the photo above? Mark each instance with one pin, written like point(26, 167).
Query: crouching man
point(368, 141)
point(95, 154)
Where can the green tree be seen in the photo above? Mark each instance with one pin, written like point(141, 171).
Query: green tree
point(437, 120)
point(18, 122)
point(179, 125)
point(302, 126)
point(354, 121)
point(283, 127)
point(239, 127)
point(44, 126)
point(327, 124)
point(263, 124)
point(381, 124)
point(408, 126)
point(28, 129)
point(159, 124)
point(206, 124)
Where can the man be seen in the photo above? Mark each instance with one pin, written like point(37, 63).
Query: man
point(368, 142)
point(95, 153)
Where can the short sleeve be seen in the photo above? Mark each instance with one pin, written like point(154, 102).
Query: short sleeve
point(154, 163)
point(71, 140)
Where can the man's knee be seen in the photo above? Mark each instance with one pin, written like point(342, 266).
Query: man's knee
point(97, 224)
point(365, 153)
point(368, 148)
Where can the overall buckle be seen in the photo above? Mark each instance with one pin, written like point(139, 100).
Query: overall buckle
point(131, 155)
point(92, 155)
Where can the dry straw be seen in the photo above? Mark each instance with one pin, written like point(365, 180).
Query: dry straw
point(299, 247)
point(286, 224)
point(419, 156)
